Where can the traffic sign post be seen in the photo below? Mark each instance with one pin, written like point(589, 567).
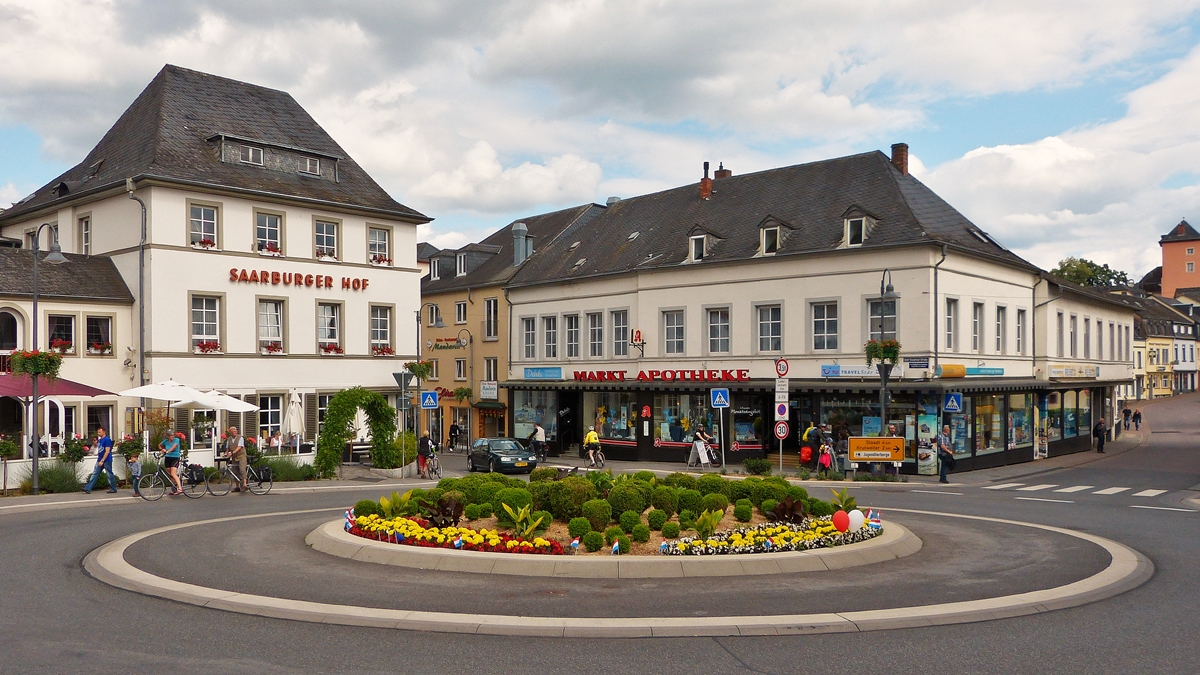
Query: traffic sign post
point(719, 398)
point(952, 403)
point(429, 400)
point(781, 432)
point(781, 411)
point(781, 367)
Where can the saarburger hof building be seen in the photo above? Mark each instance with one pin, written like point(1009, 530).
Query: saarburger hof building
point(272, 264)
point(721, 279)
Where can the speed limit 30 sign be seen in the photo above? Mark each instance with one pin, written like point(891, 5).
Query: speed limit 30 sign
point(781, 430)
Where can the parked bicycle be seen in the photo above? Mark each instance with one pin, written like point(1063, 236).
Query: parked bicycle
point(153, 486)
point(258, 478)
point(433, 466)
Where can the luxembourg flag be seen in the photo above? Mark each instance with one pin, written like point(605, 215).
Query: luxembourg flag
point(616, 549)
point(349, 519)
point(662, 548)
point(873, 519)
point(458, 542)
point(575, 545)
point(768, 544)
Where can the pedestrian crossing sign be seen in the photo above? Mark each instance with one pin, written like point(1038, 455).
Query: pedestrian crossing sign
point(429, 400)
point(952, 403)
point(720, 398)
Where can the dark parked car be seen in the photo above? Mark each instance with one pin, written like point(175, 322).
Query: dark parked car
point(501, 455)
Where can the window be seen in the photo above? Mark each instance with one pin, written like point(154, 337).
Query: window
point(1073, 342)
point(1001, 330)
point(491, 369)
point(270, 415)
point(378, 247)
point(491, 312)
point(770, 240)
point(620, 333)
point(434, 314)
point(572, 328)
point(62, 333)
point(1060, 334)
point(460, 312)
point(460, 265)
point(435, 269)
point(267, 233)
point(1128, 344)
point(381, 328)
point(550, 327)
point(977, 327)
point(460, 369)
point(673, 325)
point(1191, 251)
point(855, 231)
point(322, 405)
point(718, 331)
point(99, 335)
point(99, 416)
point(595, 334)
point(433, 372)
point(310, 165)
point(326, 239)
point(270, 326)
point(85, 235)
point(252, 155)
point(1087, 338)
point(697, 249)
point(529, 338)
point(770, 328)
point(329, 327)
point(1020, 331)
point(825, 325)
point(951, 322)
point(883, 319)
point(205, 327)
point(203, 228)
point(1115, 349)
point(1191, 267)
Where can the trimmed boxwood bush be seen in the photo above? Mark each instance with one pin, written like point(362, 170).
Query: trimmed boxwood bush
point(623, 543)
point(486, 492)
point(797, 492)
point(714, 502)
point(579, 527)
point(741, 489)
point(666, 499)
point(449, 484)
point(598, 512)
point(543, 493)
point(646, 489)
point(612, 533)
point(670, 530)
point(593, 541)
point(456, 496)
point(657, 518)
point(820, 508)
point(471, 511)
point(546, 519)
point(364, 507)
point(743, 502)
point(486, 510)
point(771, 491)
point(742, 513)
point(630, 520)
point(625, 498)
point(686, 516)
point(640, 533)
point(506, 481)
point(681, 480)
point(433, 495)
point(567, 501)
point(543, 473)
point(767, 506)
point(711, 483)
point(516, 498)
point(689, 500)
point(757, 466)
point(647, 476)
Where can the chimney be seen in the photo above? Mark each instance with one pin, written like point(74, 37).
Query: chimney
point(520, 243)
point(900, 157)
point(722, 172)
point(705, 184)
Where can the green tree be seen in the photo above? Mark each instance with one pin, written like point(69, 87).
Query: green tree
point(1087, 273)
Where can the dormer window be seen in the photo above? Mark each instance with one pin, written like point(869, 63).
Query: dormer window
point(461, 265)
point(435, 269)
point(856, 231)
point(252, 155)
point(770, 240)
point(697, 249)
point(310, 165)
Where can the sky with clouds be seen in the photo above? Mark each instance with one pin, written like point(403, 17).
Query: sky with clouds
point(1064, 128)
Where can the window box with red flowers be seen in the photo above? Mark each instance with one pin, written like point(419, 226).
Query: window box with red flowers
point(269, 248)
point(204, 244)
point(271, 347)
point(100, 349)
point(207, 347)
point(62, 346)
point(330, 348)
point(380, 260)
point(382, 350)
point(326, 256)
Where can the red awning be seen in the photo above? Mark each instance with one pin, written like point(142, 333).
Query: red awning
point(20, 386)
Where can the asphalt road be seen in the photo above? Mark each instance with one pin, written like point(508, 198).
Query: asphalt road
point(56, 619)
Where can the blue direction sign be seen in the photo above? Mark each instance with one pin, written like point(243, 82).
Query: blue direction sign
point(719, 398)
point(952, 403)
point(429, 400)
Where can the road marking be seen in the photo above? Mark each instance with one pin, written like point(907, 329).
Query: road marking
point(1161, 508)
point(1038, 499)
point(1149, 493)
point(1002, 487)
point(1076, 488)
point(1111, 491)
point(935, 492)
point(1035, 488)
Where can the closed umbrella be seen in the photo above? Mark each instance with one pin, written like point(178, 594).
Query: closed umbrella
point(293, 421)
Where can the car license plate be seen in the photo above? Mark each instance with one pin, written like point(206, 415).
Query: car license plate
point(522, 464)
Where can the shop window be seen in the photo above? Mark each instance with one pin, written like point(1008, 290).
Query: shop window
point(99, 335)
point(535, 406)
point(825, 325)
point(270, 326)
point(329, 327)
point(327, 239)
point(529, 338)
point(883, 319)
point(595, 334)
point(747, 421)
point(62, 333)
point(491, 321)
point(951, 323)
point(673, 332)
point(620, 332)
point(856, 414)
point(381, 328)
point(270, 417)
point(1084, 408)
point(1070, 414)
point(614, 414)
point(770, 328)
point(677, 416)
point(550, 328)
point(269, 233)
point(460, 312)
point(718, 331)
point(205, 323)
point(960, 430)
point(203, 226)
point(989, 424)
point(572, 328)
point(1020, 421)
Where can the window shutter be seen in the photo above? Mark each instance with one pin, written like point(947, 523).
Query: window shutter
point(310, 417)
point(235, 418)
point(181, 419)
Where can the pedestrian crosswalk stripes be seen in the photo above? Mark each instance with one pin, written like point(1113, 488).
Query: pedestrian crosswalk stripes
point(1111, 491)
point(1076, 488)
point(1002, 487)
point(1035, 488)
point(1149, 493)
point(1022, 487)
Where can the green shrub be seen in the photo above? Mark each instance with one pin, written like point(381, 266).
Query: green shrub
point(546, 519)
point(593, 541)
point(612, 533)
point(601, 480)
point(625, 499)
point(58, 477)
point(666, 499)
point(471, 512)
point(434, 495)
point(623, 543)
point(767, 506)
point(714, 502)
point(567, 502)
point(543, 493)
point(630, 520)
point(486, 510)
point(819, 508)
point(640, 533)
point(366, 507)
point(670, 530)
point(711, 483)
point(506, 481)
point(689, 500)
point(771, 491)
point(579, 526)
point(757, 466)
point(647, 476)
point(646, 490)
point(287, 469)
point(543, 473)
point(743, 512)
point(687, 516)
point(456, 496)
point(681, 480)
point(797, 492)
point(598, 512)
point(741, 489)
point(743, 502)
point(515, 498)
point(804, 473)
point(449, 484)
point(656, 518)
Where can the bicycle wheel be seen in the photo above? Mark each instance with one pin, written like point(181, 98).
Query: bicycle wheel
point(435, 467)
point(220, 483)
point(152, 487)
point(193, 490)
point(259, 483)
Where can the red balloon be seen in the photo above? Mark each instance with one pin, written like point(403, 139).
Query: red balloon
point(841, 520)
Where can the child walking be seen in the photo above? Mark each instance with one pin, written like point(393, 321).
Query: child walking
point(135, 472)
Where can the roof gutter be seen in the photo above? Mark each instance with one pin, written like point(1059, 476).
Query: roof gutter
point(936, 303)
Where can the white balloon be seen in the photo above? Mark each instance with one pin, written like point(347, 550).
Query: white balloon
point(856, 520)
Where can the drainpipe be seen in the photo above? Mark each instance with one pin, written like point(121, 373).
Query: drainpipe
point(141, 290)
point(936, 324)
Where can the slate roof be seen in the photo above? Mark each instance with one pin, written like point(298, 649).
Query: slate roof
point(808, 201)
point(426, 250)
point(1181, 232)
point(91, 278)
point(494, 255)
point(168, 133)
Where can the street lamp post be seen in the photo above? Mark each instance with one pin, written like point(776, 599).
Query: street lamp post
point(437, 323)
point(886, 294)
point(55, 257)
point(470, 369)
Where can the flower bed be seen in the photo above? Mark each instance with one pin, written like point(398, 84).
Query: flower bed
point(771, 537)
point(416, 532)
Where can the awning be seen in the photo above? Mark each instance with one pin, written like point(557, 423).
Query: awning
point(18, 385)
point(489, 405)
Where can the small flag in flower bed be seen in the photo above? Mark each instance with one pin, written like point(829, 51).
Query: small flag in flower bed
point(616, 549)
point(575, 545)
point(458, 542)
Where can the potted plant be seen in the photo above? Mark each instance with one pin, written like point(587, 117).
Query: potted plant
point(331, 348)
point(34, 362)
point(100, 348)
point(422, 370)
point(462, 394)
point(272, 347)
point(269, 248)
point(205, 244)
point(882, 350)
point(380, 259)
point(323, 254)
point(62, 346)
point(207, 347)
point(382, 350)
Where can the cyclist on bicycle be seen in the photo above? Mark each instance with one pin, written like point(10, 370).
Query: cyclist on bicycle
point(538, 439)
point(170, 448)
point(424, 452)
point(700, 447)
point(591, 443)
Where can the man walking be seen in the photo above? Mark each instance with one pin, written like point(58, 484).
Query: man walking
point(1125, 415)
point(454, 432)
point(104, 459)
point(235, 450)
point(1099, 431)
point(944, 454)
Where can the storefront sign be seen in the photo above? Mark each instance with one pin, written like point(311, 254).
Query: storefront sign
point(543, 374)
point(886, 449)
point(917, 362)
point(661, 375)
point(927, 430)
point(956, 370)
point(489, 390)
point(446, 343)
point(295, 279)
point(1074, 371)
point(835, 370)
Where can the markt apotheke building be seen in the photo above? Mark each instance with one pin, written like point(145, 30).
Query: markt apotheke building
point(273, 265)
point(627, 324)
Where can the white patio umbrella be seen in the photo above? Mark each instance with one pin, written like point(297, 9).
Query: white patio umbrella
point(224, 402)
point(293, 421)
point(172, 392)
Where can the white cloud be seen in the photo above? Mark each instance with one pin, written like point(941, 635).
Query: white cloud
point(9, 194)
